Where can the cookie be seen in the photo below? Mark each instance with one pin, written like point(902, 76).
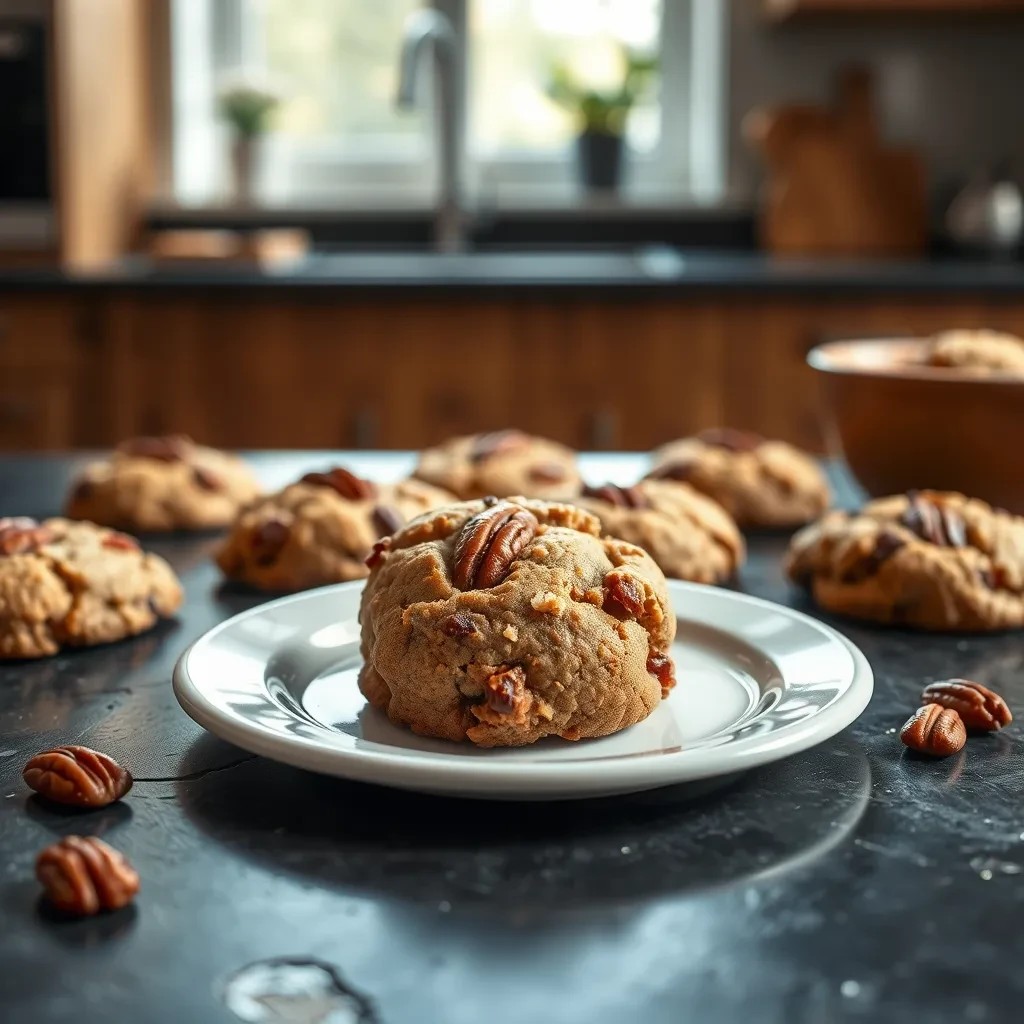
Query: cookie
point(74, 584)
point(931, 560)
point(503, 463)
point(158, 484)
point(320, 529)
point(690, 536)
point(503, 622)
point(759, 483)
point(980, 351)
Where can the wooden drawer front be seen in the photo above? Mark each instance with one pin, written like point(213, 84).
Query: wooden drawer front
point(35, 411)
point(40, 330)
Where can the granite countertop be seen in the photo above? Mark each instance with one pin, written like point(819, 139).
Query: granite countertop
point(656, 270)
point(853, 881)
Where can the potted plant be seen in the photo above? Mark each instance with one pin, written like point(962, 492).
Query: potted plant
point(601, 112)
point(246, 106)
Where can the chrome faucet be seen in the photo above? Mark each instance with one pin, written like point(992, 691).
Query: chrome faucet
point(429, 31)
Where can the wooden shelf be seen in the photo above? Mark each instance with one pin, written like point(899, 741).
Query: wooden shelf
point(786, 10)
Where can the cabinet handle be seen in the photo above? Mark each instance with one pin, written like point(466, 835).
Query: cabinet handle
point(366, 428)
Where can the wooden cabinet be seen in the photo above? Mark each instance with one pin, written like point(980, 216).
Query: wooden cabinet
point(282, 370)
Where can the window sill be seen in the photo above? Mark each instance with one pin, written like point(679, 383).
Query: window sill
point(589, 221)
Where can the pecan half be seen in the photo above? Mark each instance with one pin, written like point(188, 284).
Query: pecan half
point(347, 484)
point(660, 666)
point(21, 536)
point(267, 540)
point(731, 439)
point(206, 479)
point(623, 595)
point(623, 497)
point(77, 776)
point(887, 543)
point(499, 442)
point(82, 875)
point(387, 520)
point(934, 730)
point(980, 708)
point(489, 543)
point(170, 448)
point(548, 472)
point(934, 521)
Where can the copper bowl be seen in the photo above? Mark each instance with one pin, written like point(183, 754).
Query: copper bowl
point(902, 425)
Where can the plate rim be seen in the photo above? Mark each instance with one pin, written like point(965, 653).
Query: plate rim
point(430, 771)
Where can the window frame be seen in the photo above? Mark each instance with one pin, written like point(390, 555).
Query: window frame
point(685, 165)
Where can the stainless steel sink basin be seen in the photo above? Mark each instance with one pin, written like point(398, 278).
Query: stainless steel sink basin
point(654, 262)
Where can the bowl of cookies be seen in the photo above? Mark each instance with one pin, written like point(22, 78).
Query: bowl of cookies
point(916, 413)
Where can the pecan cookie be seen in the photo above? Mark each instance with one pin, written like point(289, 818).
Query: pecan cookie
point(158, 484)
point(73, 584)
point(931, 560)
point(320, 529)
point(759, 483)
point(690, 536)
point(980, 351)
point(503, 622)
point(503, 463)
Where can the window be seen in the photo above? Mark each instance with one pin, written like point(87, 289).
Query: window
point(338, 136)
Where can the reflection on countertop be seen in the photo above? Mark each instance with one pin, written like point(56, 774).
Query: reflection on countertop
point(654, 268)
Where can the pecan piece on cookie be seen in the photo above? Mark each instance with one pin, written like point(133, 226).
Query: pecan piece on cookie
point(981, 709)
point(268, 539)
point(505, 693)
point(489, 543)
point(934, 521)
point(623, 497)
point(169, 448)
point(731, 439)
point(499, 442)
point(886, 544)
point(934, 730)
point(21, 536)
point(347, 484)
point(623, 596)
point(660, 666)
point(548, 472)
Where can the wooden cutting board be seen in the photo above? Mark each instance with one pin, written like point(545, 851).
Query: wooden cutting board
point(832, 186)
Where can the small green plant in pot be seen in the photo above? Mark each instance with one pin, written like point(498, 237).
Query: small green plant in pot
point(601, 115)
point(246, 107)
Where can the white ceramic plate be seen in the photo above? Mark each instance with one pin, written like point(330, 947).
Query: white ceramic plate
point(756, 682)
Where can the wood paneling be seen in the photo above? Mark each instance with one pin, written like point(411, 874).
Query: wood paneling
point(280, 371)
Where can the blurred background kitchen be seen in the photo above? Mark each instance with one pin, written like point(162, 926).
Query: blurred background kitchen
point(377, 223)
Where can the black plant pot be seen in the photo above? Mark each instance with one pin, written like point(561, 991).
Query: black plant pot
point(600, 160)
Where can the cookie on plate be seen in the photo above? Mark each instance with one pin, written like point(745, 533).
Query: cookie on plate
point(979, 351)
point(503, 622)
point(932, 560)
point(159, 484)
point(320, 529)
point(759, 483)
point(502, 463)
point(73, 584)
point(690, 536)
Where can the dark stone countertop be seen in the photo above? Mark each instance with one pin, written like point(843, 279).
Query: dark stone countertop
point(646, 271)
point(851, 882)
